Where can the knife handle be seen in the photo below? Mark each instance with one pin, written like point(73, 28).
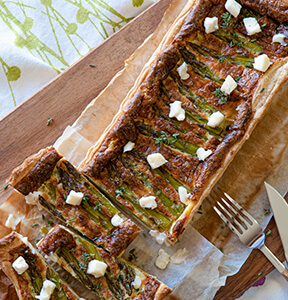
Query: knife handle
point(275, 261)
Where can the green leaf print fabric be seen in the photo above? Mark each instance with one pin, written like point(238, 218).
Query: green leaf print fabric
point(41, 38)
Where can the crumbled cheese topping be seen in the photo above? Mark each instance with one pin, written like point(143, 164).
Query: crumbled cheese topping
point(162, 260)
point(96, 268)
point(12, 222)
point(47, 290)
point(202, 154)
point(20, 265)
point(182, 71)
point(32, 198)
point(229, 85)
point(215, 119)
point(156, 160)
point(74, 198)
point(148, 202)
point(179, 256)
point(159, 237)
point(183, 194)
point(116, 220)
point(177, 111)
point(279, 38)
point(251, 25)
point(128, 147)
point(137, 282)
point(233, 7)
point(261, 63)
point(211, 24)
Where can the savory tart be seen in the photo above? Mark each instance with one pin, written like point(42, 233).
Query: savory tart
point(54, 183)
point(107, 276)
point(192, 107)
point(31, 275)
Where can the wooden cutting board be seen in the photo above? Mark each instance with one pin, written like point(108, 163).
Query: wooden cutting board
point(24, 130)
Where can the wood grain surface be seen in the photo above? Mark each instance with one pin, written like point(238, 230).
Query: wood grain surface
point(24, 130)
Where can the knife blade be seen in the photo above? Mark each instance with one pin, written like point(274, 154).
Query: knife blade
point(280, 211)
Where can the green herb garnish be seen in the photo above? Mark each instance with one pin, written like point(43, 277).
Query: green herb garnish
point(97, 206)
point(120, 192)
point(165, 138)
point(262, 90)
point(221, 58)
point(5, 187)
point(267, 211)
point(132, 255)
point(237, 78)
point(49, 121)
point(92, 65)
point(226, 20)
point(269, 232)
point(220, 96)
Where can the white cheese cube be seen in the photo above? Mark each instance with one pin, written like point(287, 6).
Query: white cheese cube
point(74, 198)
point(215, 119)
point(183, 194)
point(47, 290)
point(251, 25)
point(137, 282)
point(202, 154)
point(182, 71)
point(156, 160)
point(148, 202)
point(162, 260)
point(177, 111)
point(96, 268)
point(129, 146)
point(20, 265)
point(116, 220)
point(159, 237)
point(279, 38)
point(211, 24)
point(179, 256)
point(11, 222)
point(261, 63)
point(229, 85)
point(32, 198)
point(233, 7)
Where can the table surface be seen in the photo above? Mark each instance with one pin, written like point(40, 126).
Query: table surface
point(24, 130)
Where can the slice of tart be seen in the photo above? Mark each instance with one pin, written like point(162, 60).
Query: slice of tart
point(50, 180)
point(107, 276)
point(191, 109)
point(31, 275)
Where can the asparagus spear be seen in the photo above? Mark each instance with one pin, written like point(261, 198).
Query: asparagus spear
point(74, 253)
point(236, 38)
point(172, 141)
point(175, 209)
point(218, 132)
point(198, 67)
point(238, 60)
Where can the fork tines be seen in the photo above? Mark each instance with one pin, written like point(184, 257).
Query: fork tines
point(233, 214)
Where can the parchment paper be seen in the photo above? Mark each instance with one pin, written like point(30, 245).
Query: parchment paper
point(263, 157)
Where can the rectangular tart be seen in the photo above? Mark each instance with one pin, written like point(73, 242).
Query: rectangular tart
point(121, 280)
point(30, 283)
point(212, 76)
point(53, 177)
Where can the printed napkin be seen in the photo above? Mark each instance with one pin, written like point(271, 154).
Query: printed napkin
point(41, 38)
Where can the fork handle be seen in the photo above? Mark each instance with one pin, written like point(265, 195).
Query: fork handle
point(275, 261)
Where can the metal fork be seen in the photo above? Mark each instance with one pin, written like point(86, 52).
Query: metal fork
point(247, 229)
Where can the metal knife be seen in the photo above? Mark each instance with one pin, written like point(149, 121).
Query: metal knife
point(280, 211)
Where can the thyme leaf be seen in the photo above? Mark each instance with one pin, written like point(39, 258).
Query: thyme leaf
point(220, 96)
